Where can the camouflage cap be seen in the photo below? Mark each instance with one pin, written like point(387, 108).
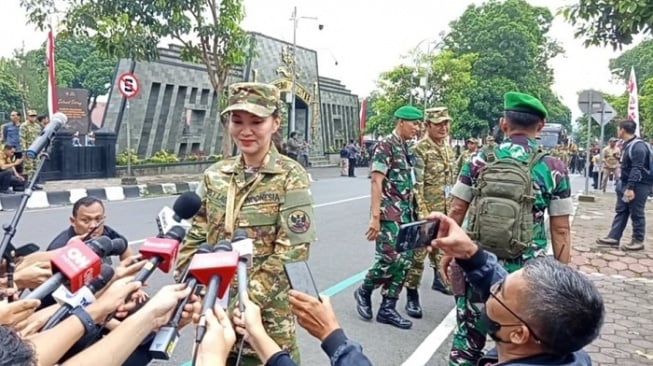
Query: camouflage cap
point(473, 140)
point(32, 112)
point(257, 98)
point(437, 115)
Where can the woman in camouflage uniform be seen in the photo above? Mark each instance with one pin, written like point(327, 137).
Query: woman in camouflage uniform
point(267, 194)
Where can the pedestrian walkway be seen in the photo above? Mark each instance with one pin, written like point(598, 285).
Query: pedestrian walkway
point(625, 279)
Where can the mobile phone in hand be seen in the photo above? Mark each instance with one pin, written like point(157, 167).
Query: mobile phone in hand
point(416, 235)
point(300, 278)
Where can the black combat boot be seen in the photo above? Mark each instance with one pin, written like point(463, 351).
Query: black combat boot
point(363, 302)
point(413, 309)
point(388, 314)
point(437, 283)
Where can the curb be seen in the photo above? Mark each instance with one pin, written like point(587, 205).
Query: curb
point(43, 199)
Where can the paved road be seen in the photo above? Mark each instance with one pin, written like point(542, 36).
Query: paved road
point(338, 259)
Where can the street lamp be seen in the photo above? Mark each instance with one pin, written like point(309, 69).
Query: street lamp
point(295, 20)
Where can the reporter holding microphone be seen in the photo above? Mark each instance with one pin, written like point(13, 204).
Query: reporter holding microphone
point(265, 193)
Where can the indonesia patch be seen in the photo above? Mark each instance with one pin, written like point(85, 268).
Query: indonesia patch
point(299, 222)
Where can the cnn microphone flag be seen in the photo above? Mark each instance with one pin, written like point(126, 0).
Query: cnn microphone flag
point(52, 81)
point(633, 100)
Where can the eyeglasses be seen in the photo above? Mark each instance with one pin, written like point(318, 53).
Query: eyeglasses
point(492, 328)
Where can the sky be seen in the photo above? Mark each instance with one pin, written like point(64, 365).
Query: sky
point(367, 37)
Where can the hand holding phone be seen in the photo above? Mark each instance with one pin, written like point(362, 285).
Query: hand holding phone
point(300, 278)
point(416, 235)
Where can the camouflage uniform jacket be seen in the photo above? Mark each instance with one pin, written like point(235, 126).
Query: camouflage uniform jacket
point(394, 159)
point(277, 213)
point(29, 131)
point(549, 175)
point(462, 159)
point(433, 173)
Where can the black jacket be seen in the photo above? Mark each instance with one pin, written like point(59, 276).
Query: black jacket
point(634, 163)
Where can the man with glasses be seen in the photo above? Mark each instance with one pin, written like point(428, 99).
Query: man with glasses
point(541, 314)
point(434, 173)
point(499, 219)
point(392, 204)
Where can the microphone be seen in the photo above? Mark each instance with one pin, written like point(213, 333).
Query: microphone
point(245, 248)
point(78, 263)
point(162, 251)
point(185, 207)
point(215, 271)
point(165, 340)
point(83, 297)
point(47, 134)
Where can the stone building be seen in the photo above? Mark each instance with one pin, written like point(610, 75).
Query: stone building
point(176, 108)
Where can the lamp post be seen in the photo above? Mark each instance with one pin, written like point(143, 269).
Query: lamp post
point(295, 20)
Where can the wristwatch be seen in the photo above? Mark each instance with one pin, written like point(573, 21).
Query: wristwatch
point(85, 318)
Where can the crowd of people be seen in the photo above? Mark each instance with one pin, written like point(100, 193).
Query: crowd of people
point(538, 310)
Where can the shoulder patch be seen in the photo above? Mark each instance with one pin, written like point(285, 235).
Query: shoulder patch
point(299, 222)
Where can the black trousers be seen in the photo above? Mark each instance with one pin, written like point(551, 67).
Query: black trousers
point(352, 167)
point(633, 209)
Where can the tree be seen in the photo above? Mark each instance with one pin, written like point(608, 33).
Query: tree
point(208, 30)
point(640, 57)
point(610, 22)
point(449, 81)
point(10, 98)
point(513, 47)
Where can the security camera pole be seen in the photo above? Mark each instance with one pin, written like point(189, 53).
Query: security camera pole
point(295, 21)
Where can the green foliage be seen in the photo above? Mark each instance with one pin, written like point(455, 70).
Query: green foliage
point(208, 30)
point(10, 98)
point(640, 57)
point(513, 47)
point(126, 156)
point(610, 22)
point(162, 157)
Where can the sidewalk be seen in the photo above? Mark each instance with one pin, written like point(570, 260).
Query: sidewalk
point(625, 279)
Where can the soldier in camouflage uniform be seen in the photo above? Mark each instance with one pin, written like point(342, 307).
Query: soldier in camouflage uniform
point(434, 179)
point(392, 204)
point(267, 194)
point(524, 115)
point(471, 146)
point(29, 131)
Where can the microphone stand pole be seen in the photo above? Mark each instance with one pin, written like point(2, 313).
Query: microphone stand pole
point(10, 228)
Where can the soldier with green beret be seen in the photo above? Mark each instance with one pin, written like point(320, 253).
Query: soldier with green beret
point(434, 173)
point(268, 195)
point(392, 204)
point(542, 187)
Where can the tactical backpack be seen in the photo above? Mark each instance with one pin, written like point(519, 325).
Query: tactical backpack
point(501, 212)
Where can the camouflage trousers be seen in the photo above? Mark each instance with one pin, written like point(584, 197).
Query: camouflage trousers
point(252, 360)
point(389, 268)
point(414, 276)
point(29, 166)
point(469, 335)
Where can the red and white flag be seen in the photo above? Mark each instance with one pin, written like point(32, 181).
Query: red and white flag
point(633, 100)
point(363, 120)
point(52, 81)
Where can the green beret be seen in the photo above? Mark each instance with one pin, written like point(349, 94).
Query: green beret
point(520, 102)
point(409, 113)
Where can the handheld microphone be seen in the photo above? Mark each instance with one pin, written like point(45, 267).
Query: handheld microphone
point(165, 340)
point(185, 207)
point(162, 251)
point(215, 270)
point(83, 297)
point(245, 248)
point(47, 134)
point(77, 263)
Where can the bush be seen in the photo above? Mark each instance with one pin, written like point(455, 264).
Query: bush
point(124, 156)
point(215, 157)
point(162, 157)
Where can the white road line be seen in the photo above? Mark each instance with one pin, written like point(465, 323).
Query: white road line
point(423, 354)
point(340, 201)
point(332, 203)
point(432, 343)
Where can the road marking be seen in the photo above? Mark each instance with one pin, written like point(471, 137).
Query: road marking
point(136, 242)
point(433, 341)
point(332, 203)
point(344, 284)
